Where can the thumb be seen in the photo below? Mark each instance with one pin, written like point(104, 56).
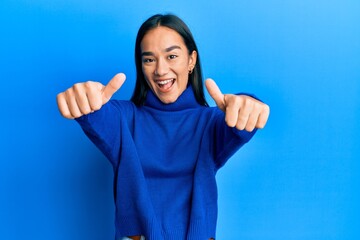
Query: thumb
point(215, 93)
point(113, 85)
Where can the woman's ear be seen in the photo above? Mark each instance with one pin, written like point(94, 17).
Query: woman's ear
point(192, 61)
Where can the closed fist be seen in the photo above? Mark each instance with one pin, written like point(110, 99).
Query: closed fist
point(241, 111)
point(87, 97)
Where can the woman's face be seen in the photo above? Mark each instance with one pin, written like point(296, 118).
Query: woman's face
point(166, 63)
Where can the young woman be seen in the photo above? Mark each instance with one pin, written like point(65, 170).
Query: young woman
point(166, 144)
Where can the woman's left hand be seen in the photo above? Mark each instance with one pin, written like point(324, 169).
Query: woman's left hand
point(241, 111)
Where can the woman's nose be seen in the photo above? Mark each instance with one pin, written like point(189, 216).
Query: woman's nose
point(162, 68)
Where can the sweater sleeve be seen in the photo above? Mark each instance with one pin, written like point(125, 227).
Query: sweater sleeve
point(227, 140)
point(103, 128)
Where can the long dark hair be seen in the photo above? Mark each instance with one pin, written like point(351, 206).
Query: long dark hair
point(175, 23)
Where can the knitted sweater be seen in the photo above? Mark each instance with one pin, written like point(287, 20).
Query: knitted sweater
point(165, 157)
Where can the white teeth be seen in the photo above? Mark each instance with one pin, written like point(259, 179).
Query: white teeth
point(164, 82)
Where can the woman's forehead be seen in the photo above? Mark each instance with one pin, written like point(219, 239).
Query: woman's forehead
point(161, 38)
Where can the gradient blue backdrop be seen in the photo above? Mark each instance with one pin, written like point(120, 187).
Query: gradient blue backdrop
point(297, 179)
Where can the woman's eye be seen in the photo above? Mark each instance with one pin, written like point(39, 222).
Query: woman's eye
point(148, 60)
point(172, 56)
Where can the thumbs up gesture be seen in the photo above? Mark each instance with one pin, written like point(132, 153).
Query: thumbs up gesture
point(241, 111)
point(87, 97)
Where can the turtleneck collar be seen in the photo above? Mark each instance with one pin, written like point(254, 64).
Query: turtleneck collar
point(185, 100)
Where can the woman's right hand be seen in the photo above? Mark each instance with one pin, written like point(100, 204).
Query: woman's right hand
point(87, 97)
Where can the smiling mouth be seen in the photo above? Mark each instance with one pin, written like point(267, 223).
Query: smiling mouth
point(165, 84)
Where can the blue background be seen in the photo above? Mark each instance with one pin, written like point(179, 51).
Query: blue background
point(297, 179)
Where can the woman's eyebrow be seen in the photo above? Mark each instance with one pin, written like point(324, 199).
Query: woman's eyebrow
point(147, 54)
point(169, 49)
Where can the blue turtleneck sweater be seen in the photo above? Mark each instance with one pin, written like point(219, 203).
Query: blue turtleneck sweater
point(165, 157)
